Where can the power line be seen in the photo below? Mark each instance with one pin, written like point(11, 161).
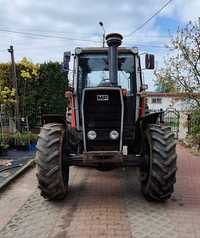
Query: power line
point(40, 48)
point(60, 46)
point(48, 36)
point(153, 46)
point(150, 18)
point(153, 36)
point(35, 31)
point(150, 46)
point(49, 32)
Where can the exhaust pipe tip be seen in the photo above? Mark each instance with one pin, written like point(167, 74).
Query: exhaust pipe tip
point(114, 39)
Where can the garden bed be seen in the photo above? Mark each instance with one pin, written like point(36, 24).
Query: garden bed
point(11, 163)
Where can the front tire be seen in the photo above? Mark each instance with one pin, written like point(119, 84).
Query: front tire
point(158, 175)
point(52, 174)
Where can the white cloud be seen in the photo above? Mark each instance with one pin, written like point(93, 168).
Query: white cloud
point(187, 10)
point(79, 19)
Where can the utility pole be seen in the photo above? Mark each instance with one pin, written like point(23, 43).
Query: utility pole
point(104, 33)
point(14, 81)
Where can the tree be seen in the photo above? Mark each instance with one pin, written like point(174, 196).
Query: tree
point(41, 89)
point(195, 126)
point(7, 92)
point(164, 80)
point(7, 95)
point(52, 86)
point(27, 74)
point(182, 68)
point(182, 71)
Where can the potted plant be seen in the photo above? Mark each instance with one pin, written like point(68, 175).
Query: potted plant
point(3, 148)
point(22, 141)
point(33, 140)
point(9, 139)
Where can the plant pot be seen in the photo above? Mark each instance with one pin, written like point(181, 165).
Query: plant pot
point(22, 147)
point(32, 147)
point(3, 152)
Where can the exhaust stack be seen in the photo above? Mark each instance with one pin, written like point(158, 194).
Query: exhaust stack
point(113, 40)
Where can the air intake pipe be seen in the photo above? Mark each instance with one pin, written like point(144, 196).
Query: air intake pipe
point(113, 41)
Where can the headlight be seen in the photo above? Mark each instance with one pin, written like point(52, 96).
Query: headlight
point(92, 135)
point(114, 135)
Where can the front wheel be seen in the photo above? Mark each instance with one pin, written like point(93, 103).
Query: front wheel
point(158, 174)
point(52, 174)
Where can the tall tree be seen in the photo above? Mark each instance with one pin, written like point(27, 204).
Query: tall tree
point(182, 68)
point(41, 89)
point(7, 92)
point(52, 85)
point(164, 81)
point(27, 75)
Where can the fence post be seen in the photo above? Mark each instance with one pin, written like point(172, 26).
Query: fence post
point(189, 123)
point(161, 116)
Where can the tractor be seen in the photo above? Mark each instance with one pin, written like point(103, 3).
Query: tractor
point(107, 125)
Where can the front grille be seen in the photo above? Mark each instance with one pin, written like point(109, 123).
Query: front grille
point(102, 111)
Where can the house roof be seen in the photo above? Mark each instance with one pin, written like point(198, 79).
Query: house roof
point(176, 95)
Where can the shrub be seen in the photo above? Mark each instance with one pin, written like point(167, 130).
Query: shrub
point(195, 126)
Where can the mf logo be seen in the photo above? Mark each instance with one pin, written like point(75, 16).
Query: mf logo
point(102, 97)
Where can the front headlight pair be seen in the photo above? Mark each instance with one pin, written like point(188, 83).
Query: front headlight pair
point(113, 135)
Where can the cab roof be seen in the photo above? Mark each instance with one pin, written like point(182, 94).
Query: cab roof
point(79, 50)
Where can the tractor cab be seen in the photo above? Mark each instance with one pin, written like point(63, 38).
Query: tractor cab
point(105, 100)
point(93, 69)
point(106, 86)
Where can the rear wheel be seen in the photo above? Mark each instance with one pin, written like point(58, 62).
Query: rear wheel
point(158, 175)
point(52, 174)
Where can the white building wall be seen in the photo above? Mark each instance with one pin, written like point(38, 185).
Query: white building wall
point(183, 127)
point(168, 102)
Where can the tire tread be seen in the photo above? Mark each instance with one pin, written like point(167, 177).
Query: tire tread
point(49, 162)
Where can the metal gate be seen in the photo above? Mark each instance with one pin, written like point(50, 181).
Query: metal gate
point(171, 119)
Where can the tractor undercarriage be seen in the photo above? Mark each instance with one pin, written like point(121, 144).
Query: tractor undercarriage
point(94, 159)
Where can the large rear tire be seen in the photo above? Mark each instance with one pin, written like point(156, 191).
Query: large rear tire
point(51, 173)
point(158, 175)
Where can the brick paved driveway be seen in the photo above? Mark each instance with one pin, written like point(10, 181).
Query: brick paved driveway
point(104, 204)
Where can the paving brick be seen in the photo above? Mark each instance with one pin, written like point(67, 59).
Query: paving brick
point(101, 204)
point(110, 204)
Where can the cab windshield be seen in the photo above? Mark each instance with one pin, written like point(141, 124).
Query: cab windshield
point(94, 71)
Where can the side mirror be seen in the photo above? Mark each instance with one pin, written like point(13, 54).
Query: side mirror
point(149, 61)
point(66, 60)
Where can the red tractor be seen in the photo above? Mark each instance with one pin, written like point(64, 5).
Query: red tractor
point(107, 125)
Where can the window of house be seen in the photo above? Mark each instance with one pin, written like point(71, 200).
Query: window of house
point(156, 100)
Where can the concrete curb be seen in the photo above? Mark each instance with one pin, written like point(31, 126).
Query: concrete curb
point(27, 166)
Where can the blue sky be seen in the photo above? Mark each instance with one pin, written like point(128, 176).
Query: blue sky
point(167, 25)
point(77, 19)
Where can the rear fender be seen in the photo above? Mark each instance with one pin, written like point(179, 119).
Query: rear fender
point(51, 118)
point(150, 118)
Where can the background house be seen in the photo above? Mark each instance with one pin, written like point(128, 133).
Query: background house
point(176, 110)
point(157, 101)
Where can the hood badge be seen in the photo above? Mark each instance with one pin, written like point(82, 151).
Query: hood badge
point(102, 98)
